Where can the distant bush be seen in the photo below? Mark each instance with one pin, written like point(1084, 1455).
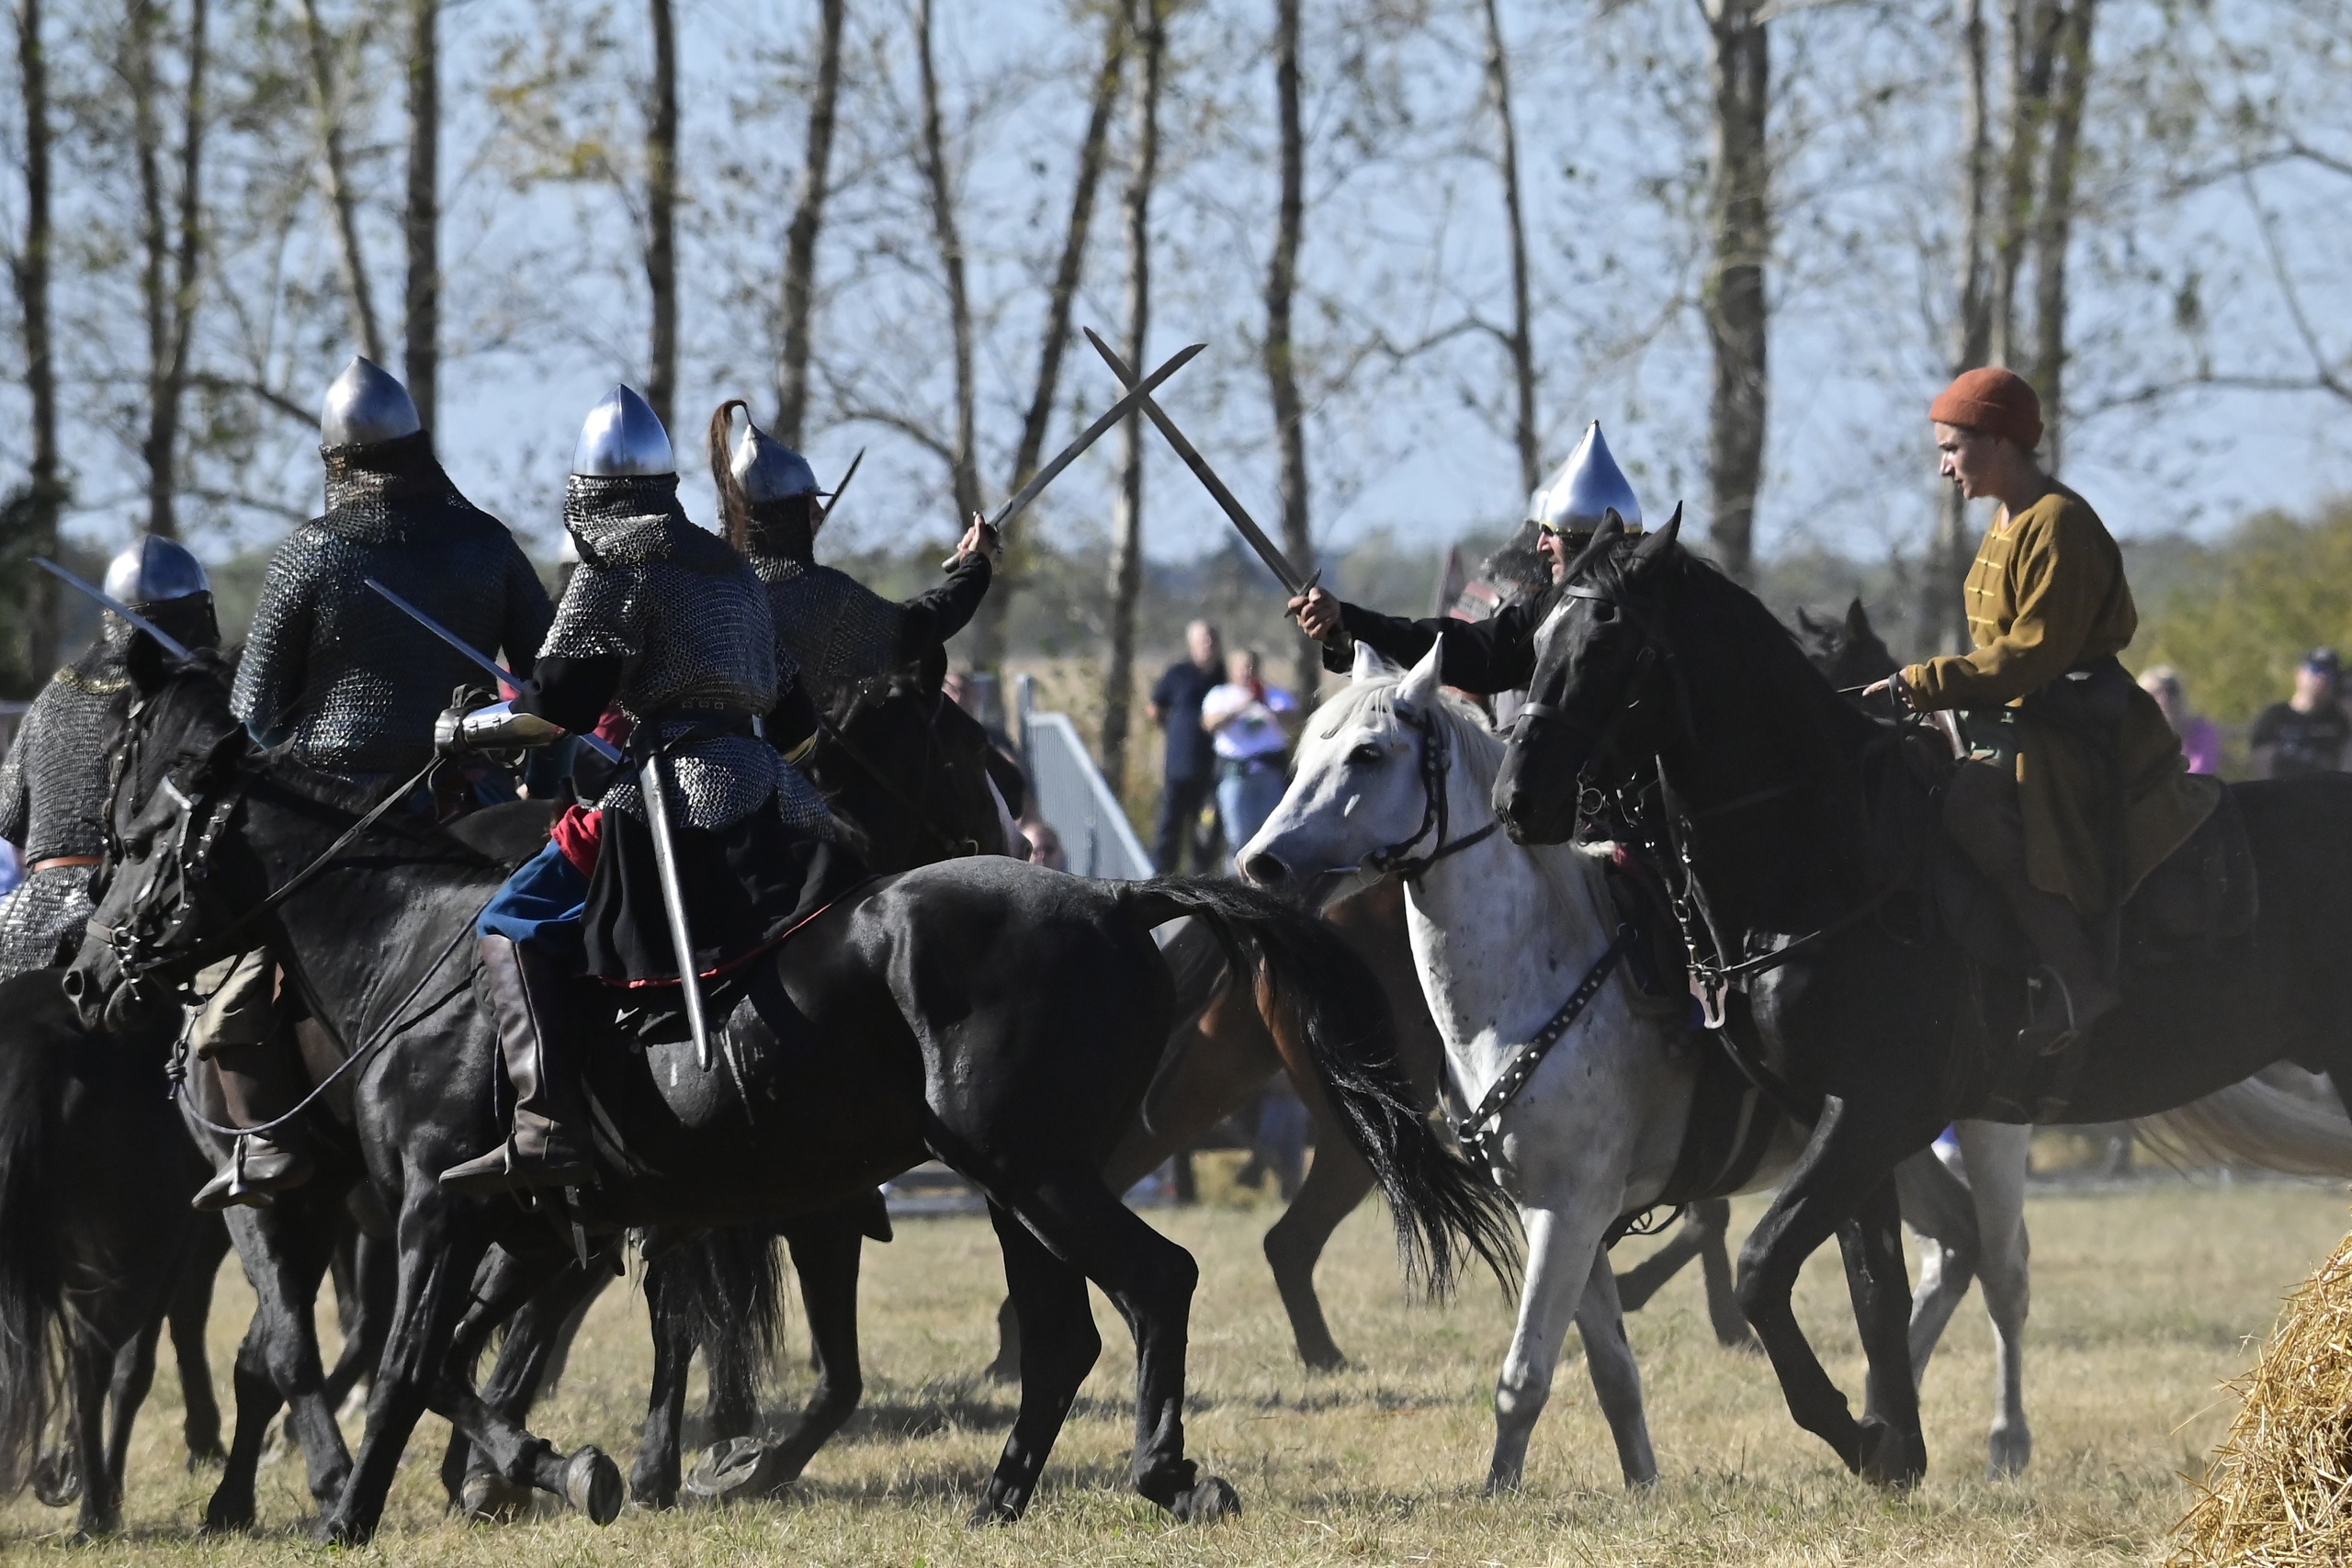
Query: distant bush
point(2276, 588)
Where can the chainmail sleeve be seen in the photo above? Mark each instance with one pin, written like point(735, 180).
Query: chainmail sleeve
point(15, 798)
point(272, 673)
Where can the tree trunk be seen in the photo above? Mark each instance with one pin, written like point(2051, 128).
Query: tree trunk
point(808, 218)
point(1281, 368)
point(1149, 28)
point(2055, 220)
point(335, 183)
point(172, 274)
point(421, 220)
point(988, 627)
point(963, 466)
point(2033, 37)
point(1740, 211)
point(662, 213)
point(1943, 617)
point(46, 498)
point(1522, 341)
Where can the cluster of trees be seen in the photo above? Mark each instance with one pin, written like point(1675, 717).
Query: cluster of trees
point(1429, 239)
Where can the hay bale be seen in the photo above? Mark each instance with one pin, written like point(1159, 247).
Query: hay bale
point(2279, 1493)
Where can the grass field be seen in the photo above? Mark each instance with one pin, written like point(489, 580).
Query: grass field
point(2143, 1301)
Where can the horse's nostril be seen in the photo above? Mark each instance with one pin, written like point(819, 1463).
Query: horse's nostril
point(1266, 871)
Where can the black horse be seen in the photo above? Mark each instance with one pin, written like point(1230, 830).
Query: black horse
point(1810, 836)
point(1001, 1018)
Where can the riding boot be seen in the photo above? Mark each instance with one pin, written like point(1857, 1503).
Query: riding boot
point(260, 1082)
point(2074, 988)
point(529, 986)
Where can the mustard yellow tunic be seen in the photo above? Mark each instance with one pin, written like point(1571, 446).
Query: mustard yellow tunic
point(2045, 595)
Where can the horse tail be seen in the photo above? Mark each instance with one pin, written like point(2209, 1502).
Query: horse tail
point(2269, 1121)
point(31, 1289)
point(1330, 1019)
point(726, 1289)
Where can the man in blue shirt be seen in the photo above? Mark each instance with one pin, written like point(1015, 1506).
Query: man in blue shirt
point(1190, 777)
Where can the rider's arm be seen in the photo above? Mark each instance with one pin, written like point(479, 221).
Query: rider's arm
point(935, 617)
point(16, 797)
point(1480, 657)
point(2065, 567)
point(529, 612)
point(572, 691)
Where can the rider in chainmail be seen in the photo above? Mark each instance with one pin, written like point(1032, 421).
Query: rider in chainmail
point(55, 783)
point(332, 671)
point(665, 632)
point(841, 633)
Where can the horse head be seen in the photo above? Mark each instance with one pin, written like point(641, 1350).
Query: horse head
point(1600, 681)
point(1849, 652)
point(1372, 790)
point(175, 775)
point(909, 769)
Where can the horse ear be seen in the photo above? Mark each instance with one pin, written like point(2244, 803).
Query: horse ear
point(1421, 684)
point(1858, 620)
point(1604, 539)
point(1656, 546)
point(1372, 664)
point(1807, 623)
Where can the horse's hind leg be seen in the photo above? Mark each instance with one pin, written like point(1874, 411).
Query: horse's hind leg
point(366, 1275)
point(537, 1335)
point(1336, 1183)
point(191, 1310)
point(134, 1374)
point(653, 1480)
point(1058, 1345)
point(1996, 1155)
point(257, 1399)
point(90, 1366)
point(1616, 1377)
point(827, 1248)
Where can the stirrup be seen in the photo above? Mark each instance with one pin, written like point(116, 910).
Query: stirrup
point(505, 1169)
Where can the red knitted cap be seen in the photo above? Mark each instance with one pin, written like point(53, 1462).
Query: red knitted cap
point(1994, 401)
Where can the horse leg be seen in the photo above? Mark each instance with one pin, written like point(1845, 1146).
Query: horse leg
point(134, 1374)
point(439, 1249)
point(653, 1480)
point(1845, 1163)
point(258, 1400)
point(1941, 1210)
point(535, 1337)
point(1562, 1241)
point(1871, 1241)
point(1336, 1183)
point(1997, 1154)
point(1616, 1377)
point(285, 1260)
point(90, 1366)
point(365, 1283)
point(1637, 1285)
point(1058, 1345)
point(191, 1309)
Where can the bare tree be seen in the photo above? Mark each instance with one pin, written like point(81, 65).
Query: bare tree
point(2053, 228)
point(963, 463)
point(335, 180)
point(1521, 339)
point(808, 218)
point(1281, 291)
point(45, 496)
point(2033, 29)
point(1148, 25)
point(988, 627)
point(1943, 618)
point(1739, 212)
point(661, 210)
point(421, 219)
point(171, 237)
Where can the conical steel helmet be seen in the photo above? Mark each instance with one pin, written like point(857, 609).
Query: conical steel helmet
point(1585, 488)
point(366, 405)
point(623, 435)
point(768, 469)
point(155, 572)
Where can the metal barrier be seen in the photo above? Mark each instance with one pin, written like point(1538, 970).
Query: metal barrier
point(1073, 797)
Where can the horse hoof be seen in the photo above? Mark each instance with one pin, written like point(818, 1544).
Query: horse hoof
point(1324, 1359)
point(57, 1480)
point(592, 1483)
point(228, 1517)
point(2011, 1452)
point(1209, 1502)
point(488, 1497)
point(332, 1531)
point(1890, 1459)
point(745, 1468)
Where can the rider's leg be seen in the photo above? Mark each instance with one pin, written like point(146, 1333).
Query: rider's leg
point(262, 1079)
point(530, 952)
point(1981, 814)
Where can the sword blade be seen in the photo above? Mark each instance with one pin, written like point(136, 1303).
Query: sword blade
point(169, 643)
point(673, 901)
point(839, 489)
point(1276, 562)
point(1139, 395)
point(596, 743)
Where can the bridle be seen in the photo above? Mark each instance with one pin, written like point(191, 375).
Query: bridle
point(1437, 764)
point(836, 735)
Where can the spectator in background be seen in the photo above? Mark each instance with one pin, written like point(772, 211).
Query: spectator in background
point(2201, 741)
point(2306, 733)
point(1250, 725)
point(1188, 779)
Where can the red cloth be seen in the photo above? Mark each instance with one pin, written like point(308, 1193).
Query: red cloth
point(1994, 401)
point(579, 834)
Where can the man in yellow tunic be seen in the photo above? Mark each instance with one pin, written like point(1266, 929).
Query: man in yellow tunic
point(2076, 788)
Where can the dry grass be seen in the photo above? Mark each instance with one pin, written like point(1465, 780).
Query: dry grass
point(2144, 1301)
point(2280, 1489)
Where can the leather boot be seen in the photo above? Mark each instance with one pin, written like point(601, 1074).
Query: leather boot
point(260, 1082)
point(2073, 990)
point(528, 985)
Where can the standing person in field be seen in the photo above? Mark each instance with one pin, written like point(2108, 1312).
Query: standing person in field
point(1188, 776)
point(2201, 738)
point(2305, 733)
point(2076, 786)
point(1250, 725)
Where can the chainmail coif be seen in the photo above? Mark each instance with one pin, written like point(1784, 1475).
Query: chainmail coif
point(331, 670)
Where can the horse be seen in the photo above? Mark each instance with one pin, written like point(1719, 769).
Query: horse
point(1808, 836)
point(1393, 774)
point(98, 1246)
point(997, 1016)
